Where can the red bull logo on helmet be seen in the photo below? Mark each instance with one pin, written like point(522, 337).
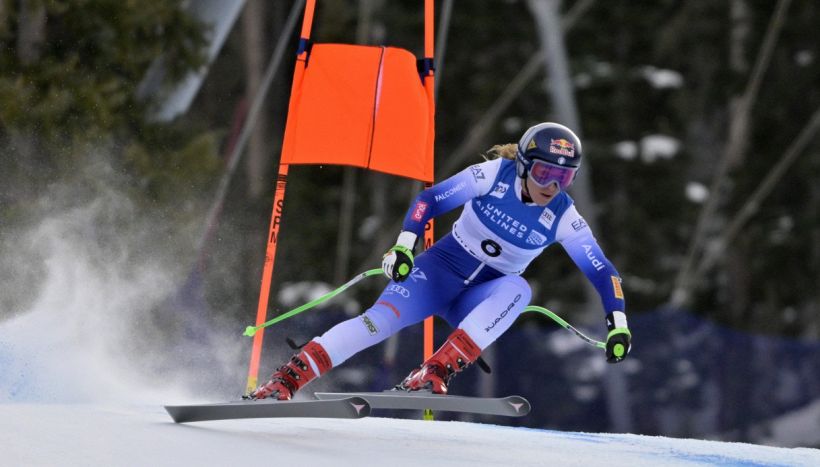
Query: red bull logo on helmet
point(562, 147)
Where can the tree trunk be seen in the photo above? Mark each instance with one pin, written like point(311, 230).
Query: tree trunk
point(737, 267)
point(560, 89)
point(741, 25)
point(4, 16)
point(739, 123)
point(346, 213)
point(738, 284)
point(259, 150)
point(564, 110)
point(31, 30)
point(619, 199)
point(811, 327)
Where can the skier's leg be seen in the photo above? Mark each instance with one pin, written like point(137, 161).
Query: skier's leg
point(482, 313)
point(487, 310)
point(429, 289)
point(376, 324)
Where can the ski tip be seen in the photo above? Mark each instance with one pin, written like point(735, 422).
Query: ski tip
point(347, 407)
point(177, 413)
point(520, 405)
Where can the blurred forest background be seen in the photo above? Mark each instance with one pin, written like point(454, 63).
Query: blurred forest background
point(699, 122)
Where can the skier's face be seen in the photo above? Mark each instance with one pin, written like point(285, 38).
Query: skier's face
point(542, 195)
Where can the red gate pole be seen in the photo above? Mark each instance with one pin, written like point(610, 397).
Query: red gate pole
point(278, 205)
point(429, 86)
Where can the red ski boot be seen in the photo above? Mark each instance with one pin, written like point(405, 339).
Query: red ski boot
point(435, 373)
point(295, 374)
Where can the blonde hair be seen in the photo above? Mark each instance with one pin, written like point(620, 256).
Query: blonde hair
point(503, 151)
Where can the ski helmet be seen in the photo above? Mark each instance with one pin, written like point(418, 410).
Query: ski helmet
point(549, 152)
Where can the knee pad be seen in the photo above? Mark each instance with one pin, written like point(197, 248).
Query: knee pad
point(522, 284)
point(493, 316)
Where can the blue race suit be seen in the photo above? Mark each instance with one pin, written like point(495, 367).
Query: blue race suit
point(471, 277)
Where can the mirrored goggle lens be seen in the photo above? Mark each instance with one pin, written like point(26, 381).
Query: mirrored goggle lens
point(543, 173)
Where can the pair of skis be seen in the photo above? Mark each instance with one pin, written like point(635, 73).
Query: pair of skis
point(350, 405)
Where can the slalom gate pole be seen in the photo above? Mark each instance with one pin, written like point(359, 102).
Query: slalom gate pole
point(251, 330)
point(429, 87)
point(565, 325)
point(267, 274)
point(278, 205)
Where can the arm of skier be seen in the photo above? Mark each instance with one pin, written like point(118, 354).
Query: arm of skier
point(440, 198)
point(577, 239)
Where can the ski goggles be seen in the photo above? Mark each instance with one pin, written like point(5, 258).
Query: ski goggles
point(543, 173)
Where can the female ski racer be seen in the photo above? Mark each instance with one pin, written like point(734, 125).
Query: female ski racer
point(514, 207)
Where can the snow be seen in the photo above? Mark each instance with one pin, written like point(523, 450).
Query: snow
point(595, 71)
point(626, 150)
point(696, 192)
point(660, 78)
point(801, 427)
point(651, 148)
point(782, 232)
point(804, 57)
point(85, 434)
point(654, 147)
point(369, 227)
point(293, 294)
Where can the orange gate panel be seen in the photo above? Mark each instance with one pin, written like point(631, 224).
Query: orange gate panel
point(364, 107)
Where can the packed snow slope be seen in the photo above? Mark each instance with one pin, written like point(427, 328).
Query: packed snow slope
point(67, 435)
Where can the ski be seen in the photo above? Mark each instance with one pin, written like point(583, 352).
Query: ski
point(510, 406)
point(341, 407)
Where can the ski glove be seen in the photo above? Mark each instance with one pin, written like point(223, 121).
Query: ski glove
point(397, 263)
point(619, 339)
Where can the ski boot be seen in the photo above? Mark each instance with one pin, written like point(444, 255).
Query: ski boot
point(435, 373)
point(295, 374)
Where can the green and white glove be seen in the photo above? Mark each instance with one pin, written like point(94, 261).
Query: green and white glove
point(619, 339)
point(397, 263)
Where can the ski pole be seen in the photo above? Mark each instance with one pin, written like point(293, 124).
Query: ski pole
point(566, 325)
point(251, 330)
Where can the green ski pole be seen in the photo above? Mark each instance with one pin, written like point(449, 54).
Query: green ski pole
point(566, 325)
point(251, 330)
